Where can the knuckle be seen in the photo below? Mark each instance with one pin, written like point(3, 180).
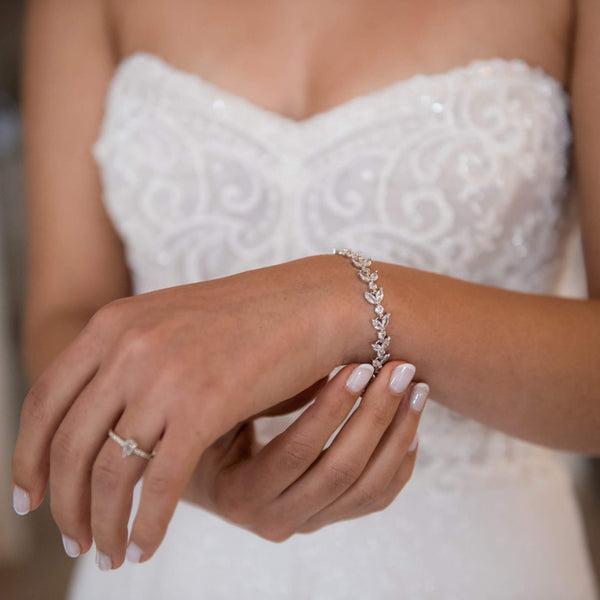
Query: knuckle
point(367, 496)
point(382, 502)
point(35, 407)
point(381, 413)
point(106, 316)
point(274, 533)
point(106, 477)
point(297, 452)
point(232, 506)
point(161, 484)
point(341, 475)
point(64, 451)
point(136, 341)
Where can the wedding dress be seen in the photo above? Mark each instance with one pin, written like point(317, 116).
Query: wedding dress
point(461, 173)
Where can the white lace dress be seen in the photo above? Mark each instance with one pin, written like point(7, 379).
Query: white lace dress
point(461, 173)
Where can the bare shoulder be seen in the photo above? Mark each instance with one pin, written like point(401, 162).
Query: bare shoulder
point(585, 92)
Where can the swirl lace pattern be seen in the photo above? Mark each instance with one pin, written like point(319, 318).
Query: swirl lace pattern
point(460, 173)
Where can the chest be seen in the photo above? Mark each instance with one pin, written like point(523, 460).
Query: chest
point(304, 57)
point(460, 173)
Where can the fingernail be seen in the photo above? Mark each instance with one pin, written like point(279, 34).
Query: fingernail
point(102, 561)
point(21, 501)
point(414, 443)
point(134, 553)
point(359, 378)
point(401, 376)
point(419, 396)
point(71, 547)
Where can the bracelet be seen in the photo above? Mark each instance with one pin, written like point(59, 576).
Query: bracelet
point(373, 296)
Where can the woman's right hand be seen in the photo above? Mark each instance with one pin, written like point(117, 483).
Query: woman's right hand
point(291, 485)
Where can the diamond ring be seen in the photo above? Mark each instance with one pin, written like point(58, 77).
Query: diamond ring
point(130, 446)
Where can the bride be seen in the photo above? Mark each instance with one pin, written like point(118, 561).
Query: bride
point(190, 167)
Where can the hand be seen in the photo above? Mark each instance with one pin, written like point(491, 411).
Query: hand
point(291, 485)
point(181, 365)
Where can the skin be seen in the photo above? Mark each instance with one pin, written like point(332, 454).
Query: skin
point(83, 347)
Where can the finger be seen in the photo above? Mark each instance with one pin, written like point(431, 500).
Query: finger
point(73, 450)
point(295, 402)
point(45, 405)
point(375, 488)
point(286, 457)
point(343, 462)
point(165, 479)
point(114, 476)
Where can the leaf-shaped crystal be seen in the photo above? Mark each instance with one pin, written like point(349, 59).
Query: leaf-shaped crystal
point(361, 262)
point(380, 345)
point(368, 277)
point(374, 297)
point(380, 323)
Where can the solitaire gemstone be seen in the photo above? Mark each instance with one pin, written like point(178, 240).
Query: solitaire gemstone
point(129, 447)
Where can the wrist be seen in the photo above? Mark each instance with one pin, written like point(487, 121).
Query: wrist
point(347, 313)
point(355, 319)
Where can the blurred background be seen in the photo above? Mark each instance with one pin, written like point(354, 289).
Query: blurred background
point(32, 562)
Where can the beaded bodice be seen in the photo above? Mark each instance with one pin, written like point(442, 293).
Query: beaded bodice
point(461, 173)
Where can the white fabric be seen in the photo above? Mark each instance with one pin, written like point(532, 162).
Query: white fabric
point(461, 173)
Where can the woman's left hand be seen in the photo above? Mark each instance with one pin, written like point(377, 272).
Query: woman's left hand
point(291, 485)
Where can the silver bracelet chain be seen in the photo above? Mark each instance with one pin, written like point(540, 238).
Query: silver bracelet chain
point(374, 296)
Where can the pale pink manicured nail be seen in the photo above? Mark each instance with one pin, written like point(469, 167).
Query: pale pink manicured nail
point(419, 396)
point(414, 443)
point(72, 548)
point(134, 553)
point(103, 561)
point(359, 378)
point(21, 501)
point(401, 376)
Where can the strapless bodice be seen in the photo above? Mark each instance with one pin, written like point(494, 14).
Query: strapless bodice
point(460, 173)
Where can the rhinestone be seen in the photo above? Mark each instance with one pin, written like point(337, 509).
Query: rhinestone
point(367, 277)
point(374, 297)
point(359, 263)
point(129, 447)
point(379, 309)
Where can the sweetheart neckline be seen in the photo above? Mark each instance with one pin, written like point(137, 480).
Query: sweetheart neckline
point(482, 64)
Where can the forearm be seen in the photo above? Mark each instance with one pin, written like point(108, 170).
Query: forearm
point(525, 364)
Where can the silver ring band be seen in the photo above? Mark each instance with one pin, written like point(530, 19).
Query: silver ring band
point(130, 446)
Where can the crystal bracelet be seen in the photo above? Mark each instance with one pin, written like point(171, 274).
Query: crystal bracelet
point(374, 296)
